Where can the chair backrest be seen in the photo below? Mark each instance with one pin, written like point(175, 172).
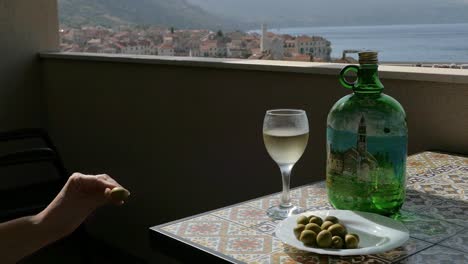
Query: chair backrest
point(29, 197)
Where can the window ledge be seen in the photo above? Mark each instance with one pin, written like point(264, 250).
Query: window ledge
point(386, 72)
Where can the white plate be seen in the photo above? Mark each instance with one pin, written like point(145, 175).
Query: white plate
point(377, 233)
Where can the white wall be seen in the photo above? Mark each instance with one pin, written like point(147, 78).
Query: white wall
point(26, 28)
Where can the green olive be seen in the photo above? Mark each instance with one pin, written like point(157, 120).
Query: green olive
point(337, 230)
point(351, 241)
point(326, 225)
point(310, 216)
point(316, 220)
point(332, 219)
point(308, 237)
point(302, 220)
point(119, 194)
point(337, 242)
point(314, 227)
point(359, 240)
point(324, 239)
point(298, 230)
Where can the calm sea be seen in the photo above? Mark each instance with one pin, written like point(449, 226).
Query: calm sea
point(403, 43)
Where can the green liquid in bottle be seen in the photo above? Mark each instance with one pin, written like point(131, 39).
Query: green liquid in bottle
point(366, 147)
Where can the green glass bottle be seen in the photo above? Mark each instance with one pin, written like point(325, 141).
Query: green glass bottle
point(367, 140)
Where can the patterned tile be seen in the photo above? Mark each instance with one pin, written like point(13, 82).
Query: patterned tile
point(243, 215)
point(290, 255)
point(324, 206)
point(410, 247)
point(436, 172)
point(206, 224)
point(459, 241)
point(427, 228)
point(266, 227)
point(309, 197)
point(369, 259)
point(454, 212)
point(440, 187)
point(283, 258)
point(416, 201)
point(208, 242)
point(436, 255)
point(231, 239)
point(439, 159)
point(417, 164)
point(248, 245)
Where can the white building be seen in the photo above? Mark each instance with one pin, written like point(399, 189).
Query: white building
point(213, 48)
point(166, 50)
point(237, 49)
point(272, 45)
point(318, 47)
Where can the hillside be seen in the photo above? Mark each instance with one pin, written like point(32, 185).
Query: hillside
point(280, 13)
point(176, 13)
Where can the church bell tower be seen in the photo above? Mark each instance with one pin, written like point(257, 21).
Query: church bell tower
point(362, 137)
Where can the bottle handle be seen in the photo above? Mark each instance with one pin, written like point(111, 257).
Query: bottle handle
point(344, 71)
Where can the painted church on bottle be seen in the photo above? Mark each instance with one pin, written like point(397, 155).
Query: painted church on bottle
point(356, 161)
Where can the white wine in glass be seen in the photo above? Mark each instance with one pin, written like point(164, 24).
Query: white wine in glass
point(285, 134)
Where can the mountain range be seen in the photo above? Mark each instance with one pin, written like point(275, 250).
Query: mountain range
point(170, 13)
point(248, 14)
point(306, 13)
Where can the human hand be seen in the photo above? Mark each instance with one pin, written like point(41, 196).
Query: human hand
point(80, 196)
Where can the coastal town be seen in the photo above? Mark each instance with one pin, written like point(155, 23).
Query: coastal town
point(162, 41)
point(195, 43)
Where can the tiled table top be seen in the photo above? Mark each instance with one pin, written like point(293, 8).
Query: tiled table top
point(435, 212)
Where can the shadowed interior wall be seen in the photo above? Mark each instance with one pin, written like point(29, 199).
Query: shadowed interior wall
point(185, 140)
point(26, 28)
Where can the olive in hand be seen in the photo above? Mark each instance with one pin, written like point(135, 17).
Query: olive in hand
point(119, 194)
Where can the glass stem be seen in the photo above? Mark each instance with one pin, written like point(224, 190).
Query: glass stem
point(286, 175)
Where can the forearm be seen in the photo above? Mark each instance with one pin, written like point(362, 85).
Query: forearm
point(23, 236)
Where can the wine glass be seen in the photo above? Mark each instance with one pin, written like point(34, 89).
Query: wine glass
point(285, 134)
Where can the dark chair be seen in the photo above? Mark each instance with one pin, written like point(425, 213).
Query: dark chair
point(31, 198)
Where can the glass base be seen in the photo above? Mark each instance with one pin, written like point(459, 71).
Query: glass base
point(278, 212)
